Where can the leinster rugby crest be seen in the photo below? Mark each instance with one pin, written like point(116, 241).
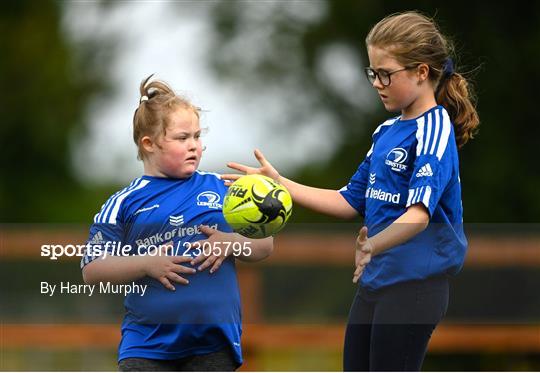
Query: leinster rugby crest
point(396, 159)
point(209, 199)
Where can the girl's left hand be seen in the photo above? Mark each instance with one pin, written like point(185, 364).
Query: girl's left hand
point(364, 249)
point(217, 251)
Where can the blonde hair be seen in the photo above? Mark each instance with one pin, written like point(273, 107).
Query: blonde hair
point(151, 117)
point(413, 39)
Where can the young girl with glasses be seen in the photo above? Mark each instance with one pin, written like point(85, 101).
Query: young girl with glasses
point(408, 190)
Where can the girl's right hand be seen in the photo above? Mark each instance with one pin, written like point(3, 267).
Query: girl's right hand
point(266, 169)
point(165, 268)
point(363, 252)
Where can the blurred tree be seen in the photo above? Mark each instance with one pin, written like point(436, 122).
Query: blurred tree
point(259, 46)
point(47, 83)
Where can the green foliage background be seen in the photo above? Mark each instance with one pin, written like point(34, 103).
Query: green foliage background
point(48, 82)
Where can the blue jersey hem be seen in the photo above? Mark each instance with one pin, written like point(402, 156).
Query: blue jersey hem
point(160, 355)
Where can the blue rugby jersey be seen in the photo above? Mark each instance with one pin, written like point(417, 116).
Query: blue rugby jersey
point(412, 161)
point(201, 317)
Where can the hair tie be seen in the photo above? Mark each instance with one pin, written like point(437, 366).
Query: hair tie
point(448, 67)
point(143, 98)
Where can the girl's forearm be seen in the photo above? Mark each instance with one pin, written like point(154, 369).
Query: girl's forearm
point(259, 248)
point(325, 201)
point(408, 225)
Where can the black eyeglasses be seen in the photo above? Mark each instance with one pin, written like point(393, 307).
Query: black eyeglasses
point(384, 76)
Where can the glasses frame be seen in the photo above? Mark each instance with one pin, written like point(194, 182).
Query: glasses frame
point(389, 74)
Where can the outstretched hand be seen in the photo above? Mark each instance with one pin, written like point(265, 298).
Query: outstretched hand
point(266, 169)
point(364, 249)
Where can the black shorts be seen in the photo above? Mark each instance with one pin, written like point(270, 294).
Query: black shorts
point(222, 360)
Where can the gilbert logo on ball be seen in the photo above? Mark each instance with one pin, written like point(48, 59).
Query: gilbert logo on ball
point(257, 206)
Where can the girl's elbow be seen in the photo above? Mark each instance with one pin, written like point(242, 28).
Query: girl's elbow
point(266, 249)
point(419, 214)
point(88, 275)
point(424, 221)
point(269, 249)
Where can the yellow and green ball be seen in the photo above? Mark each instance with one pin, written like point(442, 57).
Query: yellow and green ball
point(257, 206)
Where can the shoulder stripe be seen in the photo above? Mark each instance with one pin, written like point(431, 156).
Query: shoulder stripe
point(429, 129)
point(120, 199)
point(97, 218)
point(100, 215)
point(419, 135)
point(446, 129)
point(435, 115)
point(432, 133)
point(106, 211)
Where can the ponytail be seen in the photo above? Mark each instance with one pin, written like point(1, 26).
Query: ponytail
point(151, 117)
point(456, 95)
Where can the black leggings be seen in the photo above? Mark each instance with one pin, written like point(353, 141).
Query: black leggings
point(389, 329)
point(220, 361)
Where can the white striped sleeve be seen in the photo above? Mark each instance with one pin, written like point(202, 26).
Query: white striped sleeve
point(436, 131)
point(109, 211)
point(420, 195)
point(435, 159)
point(107, 231)
point(102, 237)
point(445, 135)
point(105, 208)
point(87, 258)
point(120, 198)
point(432, 134)
point(429, 134)
point(419, 135)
